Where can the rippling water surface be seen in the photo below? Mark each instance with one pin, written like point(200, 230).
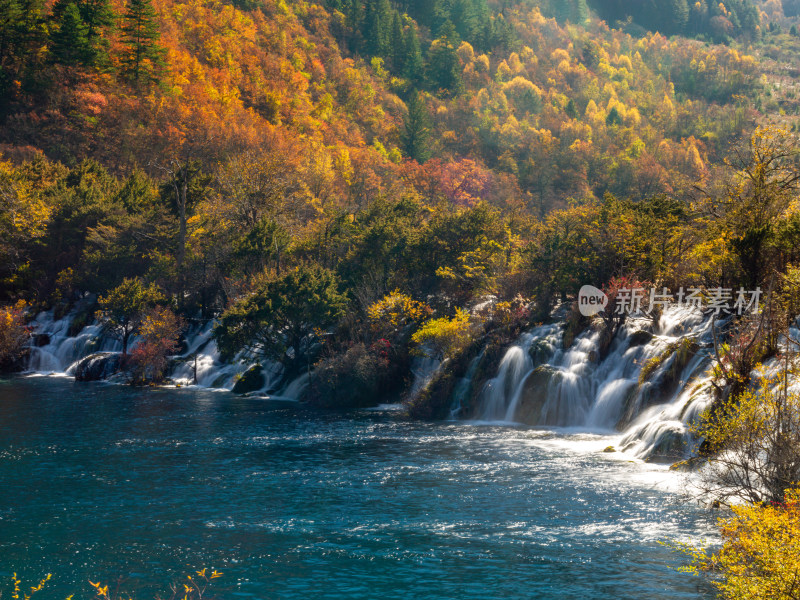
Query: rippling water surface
point(102, 481)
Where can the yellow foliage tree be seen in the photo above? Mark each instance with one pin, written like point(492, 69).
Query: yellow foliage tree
point(13, 333)
point(445, 337)
point(23, 214)
point(394, 312)
point(760, 555)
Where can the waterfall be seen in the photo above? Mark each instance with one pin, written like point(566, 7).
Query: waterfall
point(54, 351)
point(578, 387)
point(464, 386)
point(58, 351)
point(500, 395)
point(423, 368)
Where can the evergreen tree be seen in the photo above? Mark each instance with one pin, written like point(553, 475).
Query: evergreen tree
point(413, 64)
point(574, 11)
point(69, 39)
point(416, 131)
point(142, 56)
point(98, 17)
point(377, 21)
point(463, 18)
point(613, 118)
point(22, 33)
point(78, 35)
point(503, 37)
point(791, 8)
point(444, 66)
point(398, 50)
point(571, 109)
point(355, 16)
point(677, 12)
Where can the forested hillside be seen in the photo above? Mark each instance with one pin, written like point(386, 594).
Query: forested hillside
point(445, 150)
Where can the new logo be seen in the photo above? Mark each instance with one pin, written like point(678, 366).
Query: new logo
point(591, 300)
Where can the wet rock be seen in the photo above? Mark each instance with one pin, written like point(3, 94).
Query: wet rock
point(609, 449)
point(219, 381)
point(98, 366)
point(40, 339)
point(534, 394)
point(640, 338)
point(539, 352)
point(669, 447)
point(250, 381)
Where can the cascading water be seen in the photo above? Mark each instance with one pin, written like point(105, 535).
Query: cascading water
point(54, 350)
point(577, 387)
point(62, 351)
point(500, 395)
point(463, 386)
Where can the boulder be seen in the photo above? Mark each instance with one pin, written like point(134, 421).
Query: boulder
point(250, 381)
point(40, 339)
point(539, 352)
point(98, 366)
point(534, 394)
point(640, 338)
point(669, 447)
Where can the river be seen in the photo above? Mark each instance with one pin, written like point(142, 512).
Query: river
point(104, 482)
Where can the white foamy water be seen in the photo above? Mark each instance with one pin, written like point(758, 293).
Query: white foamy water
point(200, 365)
point(583, 389)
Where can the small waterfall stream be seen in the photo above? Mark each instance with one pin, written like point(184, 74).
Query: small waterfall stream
point(576, 387)
point(200, 364)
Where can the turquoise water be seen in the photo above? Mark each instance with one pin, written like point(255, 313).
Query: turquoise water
point(108, 482)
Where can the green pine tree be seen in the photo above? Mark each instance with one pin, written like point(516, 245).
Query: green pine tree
point(397, 44)
point(98, 18)
point(69, 39)
point(355, 17)
point(142, 57)
point(416, 130)
point(22, 34)
point(444, 66)
point(376, 27)
point(413, 64)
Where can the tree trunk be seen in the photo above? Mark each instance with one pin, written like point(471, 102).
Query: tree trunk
point(182, 190)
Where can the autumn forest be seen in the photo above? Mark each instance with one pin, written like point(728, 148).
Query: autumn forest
point(346, 186)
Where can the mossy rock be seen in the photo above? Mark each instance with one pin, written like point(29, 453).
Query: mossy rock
point(682, 350)
point(609, 449)
point(434, 401)
point(78, 322)
point(219, 381)
point(250, 381)
point(539, 352)
point(575, 325)
point(640, 338)
point(670, 446)
point(534, 394)
point(98, 366)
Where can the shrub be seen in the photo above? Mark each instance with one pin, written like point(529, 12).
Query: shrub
point(14, 335)
point(445, 337)
point(752, 443)
point(160, 330)
point(736, 359)
point(357, 377)
point(760, 554)
point(394, 312)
